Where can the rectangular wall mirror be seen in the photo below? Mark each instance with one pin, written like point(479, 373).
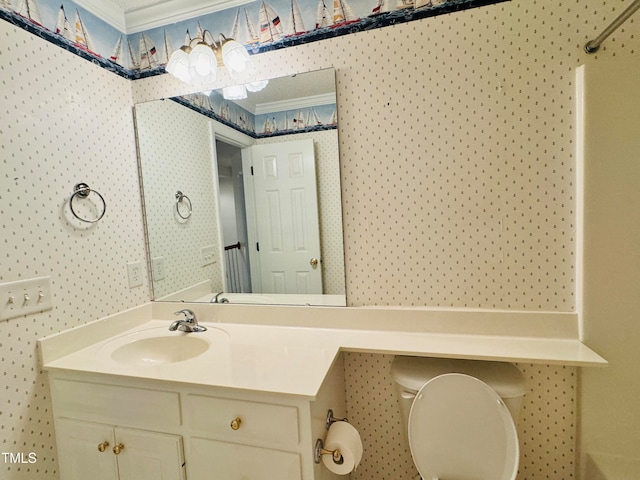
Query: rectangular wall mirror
point(242, 197)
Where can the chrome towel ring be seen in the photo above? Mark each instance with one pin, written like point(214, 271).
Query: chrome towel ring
point(82, 190)
point(180, 197)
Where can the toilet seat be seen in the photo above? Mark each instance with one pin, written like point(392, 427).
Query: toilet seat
point(460, 429)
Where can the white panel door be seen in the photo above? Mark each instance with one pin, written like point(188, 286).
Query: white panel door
point(284, 178)
point(216, 460)
point(149, 455)
point(85, 451)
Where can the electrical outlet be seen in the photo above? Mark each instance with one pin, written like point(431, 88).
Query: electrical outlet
point(24, 297)
point(134, 271)
point(157, 268)
point(208, 255)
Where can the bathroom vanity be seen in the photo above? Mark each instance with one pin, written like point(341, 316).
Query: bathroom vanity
point(248, 398)
point(132, 429)
point(136, 407)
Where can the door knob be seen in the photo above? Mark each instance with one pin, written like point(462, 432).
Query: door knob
point(313, 262)
point(118, 448)
point(235, 423)
point(103, 446)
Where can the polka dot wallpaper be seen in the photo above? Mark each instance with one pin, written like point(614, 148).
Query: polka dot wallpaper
point(456, 137)
point(64, 121)
point(175, 145)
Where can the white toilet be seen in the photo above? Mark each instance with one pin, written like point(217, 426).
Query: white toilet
point(460, 416)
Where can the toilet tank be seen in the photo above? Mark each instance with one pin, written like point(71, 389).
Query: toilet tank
point(411, 373)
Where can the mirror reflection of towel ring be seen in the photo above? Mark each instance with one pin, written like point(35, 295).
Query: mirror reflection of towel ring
point(82, 190)
point(180, 197)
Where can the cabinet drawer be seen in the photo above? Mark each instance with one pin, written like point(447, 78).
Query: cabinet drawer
point(133, 407)
point(262, 423)
point(230, 461)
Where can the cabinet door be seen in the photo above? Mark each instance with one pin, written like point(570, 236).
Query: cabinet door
point(79, 451)
point(213, 460)
point(149, 455)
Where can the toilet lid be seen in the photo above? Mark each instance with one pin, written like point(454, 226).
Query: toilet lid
point(459, 428)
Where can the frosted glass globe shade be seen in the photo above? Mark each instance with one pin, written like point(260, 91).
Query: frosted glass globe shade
point(236, 92)
point(178, 65)
point(257, 86)
point(203, 65)
point(235, 56)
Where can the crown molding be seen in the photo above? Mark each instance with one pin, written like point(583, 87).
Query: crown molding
point(172, 11)
point(108, 11)
point(295, 103)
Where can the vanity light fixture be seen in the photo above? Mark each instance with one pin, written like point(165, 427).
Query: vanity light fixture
point(198, 62)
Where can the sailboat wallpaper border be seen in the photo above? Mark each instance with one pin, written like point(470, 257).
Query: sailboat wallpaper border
point(288, 122)
point(30, 18)
point(144, 54)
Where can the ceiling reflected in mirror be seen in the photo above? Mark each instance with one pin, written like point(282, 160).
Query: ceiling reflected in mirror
point(286, 105)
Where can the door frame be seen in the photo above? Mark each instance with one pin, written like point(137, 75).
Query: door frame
point(244, 142)
point(226, 134)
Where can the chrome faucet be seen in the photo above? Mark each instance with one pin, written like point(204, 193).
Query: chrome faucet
point(189, 324)
point(217, 298)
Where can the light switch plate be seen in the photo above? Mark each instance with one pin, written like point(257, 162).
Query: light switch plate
point(208, 254)
point(25, 296)
point(157, 268)
point(134, 271)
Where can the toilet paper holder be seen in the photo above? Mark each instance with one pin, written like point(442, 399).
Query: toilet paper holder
point(331, 419)
point(338, 459)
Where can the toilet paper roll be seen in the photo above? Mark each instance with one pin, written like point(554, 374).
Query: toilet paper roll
point(344, 437)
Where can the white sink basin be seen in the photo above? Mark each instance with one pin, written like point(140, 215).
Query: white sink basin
point(160, 350)
point(159, 346)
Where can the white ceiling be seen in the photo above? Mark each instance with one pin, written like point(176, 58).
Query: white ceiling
point(132, 5)
point(297, 91)
point(131, 16)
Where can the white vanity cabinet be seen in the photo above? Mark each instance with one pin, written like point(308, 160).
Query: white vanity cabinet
point(114, 432)
point(105, 452)
point(174, 431)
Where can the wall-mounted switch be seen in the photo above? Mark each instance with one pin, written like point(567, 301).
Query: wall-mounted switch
point(24, 297)
point(157, 268)
point(208, 255)
point(134, 271)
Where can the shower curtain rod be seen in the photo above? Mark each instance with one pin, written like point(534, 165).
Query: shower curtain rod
point(594, 45)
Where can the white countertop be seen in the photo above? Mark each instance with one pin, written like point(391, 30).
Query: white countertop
point(289, 350)
point(246, 357)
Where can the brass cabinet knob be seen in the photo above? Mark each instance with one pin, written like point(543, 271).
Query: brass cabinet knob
point(313, 262)
point(103, 446)
point(235, 423)
point(118, 448)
